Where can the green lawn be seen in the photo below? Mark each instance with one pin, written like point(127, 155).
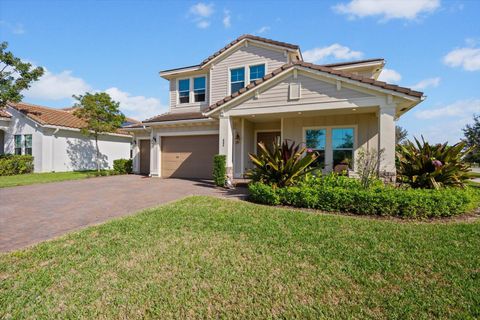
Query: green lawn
point(204, 257)
point(32, 178)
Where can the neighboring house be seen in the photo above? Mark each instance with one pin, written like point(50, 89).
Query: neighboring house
point(54, 139)
point(256, 89)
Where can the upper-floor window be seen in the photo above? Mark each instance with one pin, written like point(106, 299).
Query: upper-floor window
point(257, 72)
point(199, 86)
point(28, 144)
point(184, 91)
point(237, 79)
point(18, 143)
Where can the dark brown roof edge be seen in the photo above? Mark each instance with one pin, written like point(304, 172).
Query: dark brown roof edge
point(328, 70)
point(181, 68)
point(165, 117)
point(339, 64)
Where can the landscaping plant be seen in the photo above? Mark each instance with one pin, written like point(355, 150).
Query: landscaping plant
point(367, 162)
point(220, 170)
point(15, 164)
point(424, 165)
point(283, 165)
point(122, 166)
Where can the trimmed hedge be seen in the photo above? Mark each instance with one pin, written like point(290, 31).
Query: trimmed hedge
point(15, 164)
point(338, 194)
point(122, 166)
point(220, 170)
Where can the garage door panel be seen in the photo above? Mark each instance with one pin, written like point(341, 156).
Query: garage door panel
point(189, 156)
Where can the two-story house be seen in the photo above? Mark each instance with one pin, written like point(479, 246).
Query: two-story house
point(256, 89)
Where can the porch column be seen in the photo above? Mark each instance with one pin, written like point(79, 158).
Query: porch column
point(386, 141)
point(154, 153)
point(226, 142)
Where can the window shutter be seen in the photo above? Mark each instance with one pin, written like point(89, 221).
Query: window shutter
point(294, 91)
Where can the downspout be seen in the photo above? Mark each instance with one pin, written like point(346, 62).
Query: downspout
point(52, 167)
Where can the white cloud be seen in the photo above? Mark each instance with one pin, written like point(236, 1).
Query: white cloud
point(335, 50)
point(467, 58)
point(426, 83)
point(458, 109)
point(390, 76)
point(202, 24)
point(137, 107)
point(201, 12)
point(263, 30)
point(387, 9)
point(227, 19)
point(15, 28)
point(57, 86)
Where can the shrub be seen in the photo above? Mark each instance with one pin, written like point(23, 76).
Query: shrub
point(103, 173)
point(334, 193)
point(367, 164)
point(283, 165)
point(422, 165)
point(15, 164)
point(220, 170)
point(123, 166)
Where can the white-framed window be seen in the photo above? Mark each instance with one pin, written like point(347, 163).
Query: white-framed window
point(257, 72)
point(184, 91)
point(342, 146)
point(335, 145)
point(28, 144)
point(18, 143)
point(199, 88)
point(315, 140)
point(237, 79)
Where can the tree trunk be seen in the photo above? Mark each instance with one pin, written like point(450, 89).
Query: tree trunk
point(98, 153)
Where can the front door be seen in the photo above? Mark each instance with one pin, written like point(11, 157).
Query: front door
point(268, 138)
point(144, 156)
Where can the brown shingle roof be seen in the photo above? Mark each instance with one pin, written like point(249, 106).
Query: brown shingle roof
point(51, 116)
point(251, 37)
point(175, 117)
point(340, 64)
point(4, 114)
point(328, 70)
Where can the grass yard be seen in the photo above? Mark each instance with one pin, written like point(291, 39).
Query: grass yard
point(205, 257)
point(32, 178)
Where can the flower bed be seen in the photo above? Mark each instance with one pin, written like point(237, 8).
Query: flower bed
point(336, 193)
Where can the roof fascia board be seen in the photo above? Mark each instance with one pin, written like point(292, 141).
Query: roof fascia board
point(187, 121)
point(359, 65)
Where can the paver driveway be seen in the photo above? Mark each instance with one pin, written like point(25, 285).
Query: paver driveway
point(29, 214)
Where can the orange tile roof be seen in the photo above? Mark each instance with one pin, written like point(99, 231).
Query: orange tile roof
point(51, 116)
point(4, 114)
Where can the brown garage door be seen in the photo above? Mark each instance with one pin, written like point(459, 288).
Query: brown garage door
point(188, 156)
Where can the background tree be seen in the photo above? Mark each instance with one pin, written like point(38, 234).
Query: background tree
point(101, 114)
point(472, 139)
point(400, 134)
point(15, 76)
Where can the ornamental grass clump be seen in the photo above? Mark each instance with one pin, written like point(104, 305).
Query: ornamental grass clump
point(424, 165)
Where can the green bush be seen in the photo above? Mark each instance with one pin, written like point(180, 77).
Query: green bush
point(122, 166)
point(220, 170)
point(15, 164)
point(342, 194)
point(103, 173)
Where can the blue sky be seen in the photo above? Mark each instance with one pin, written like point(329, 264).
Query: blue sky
point(119, 47)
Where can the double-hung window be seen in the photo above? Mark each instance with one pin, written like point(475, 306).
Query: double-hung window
point(237, 79)
point(257, 72)
point(18, 143)
point(316, 142)
point(28, 144)
point(184, 91)
point(342, 146)
point(199, 86)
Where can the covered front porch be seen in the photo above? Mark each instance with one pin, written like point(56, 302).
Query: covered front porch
point(337, 135)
